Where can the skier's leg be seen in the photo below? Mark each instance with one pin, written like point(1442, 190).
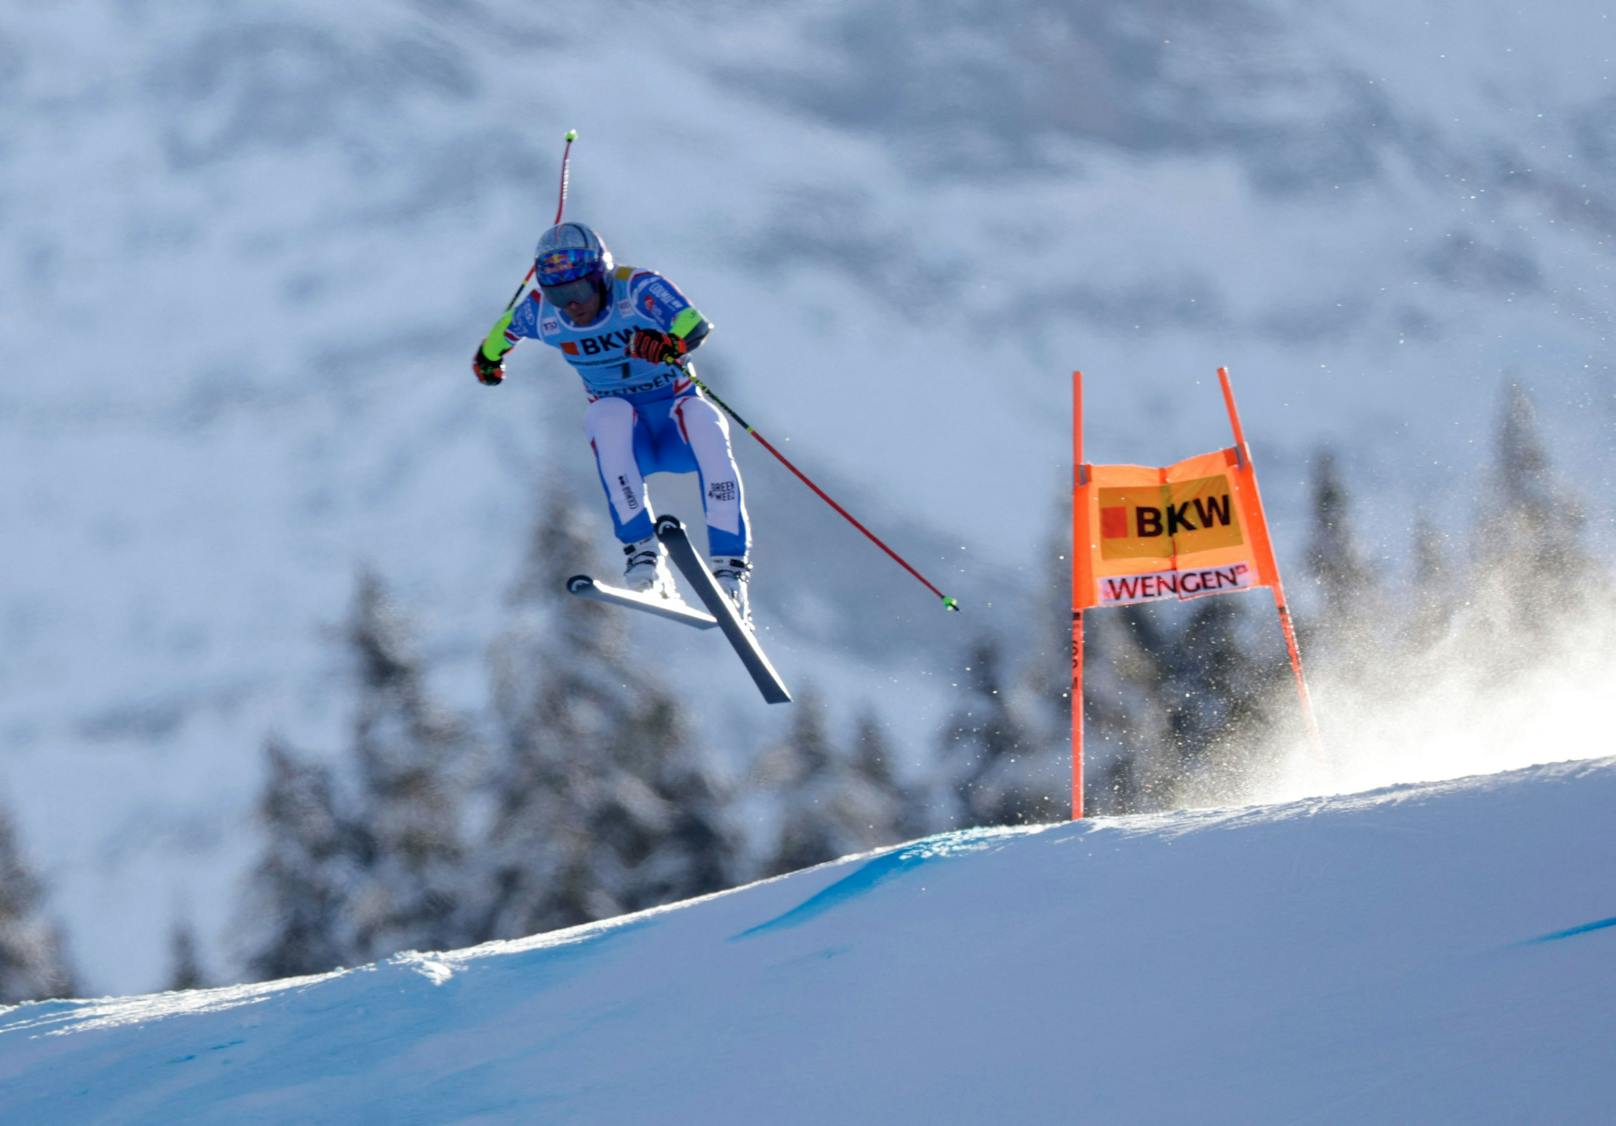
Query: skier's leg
point(610, 423)
point(706, 431)
point(729, 540)
point(617, 434)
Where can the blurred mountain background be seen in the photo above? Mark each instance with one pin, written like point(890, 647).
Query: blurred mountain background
point(250, 248)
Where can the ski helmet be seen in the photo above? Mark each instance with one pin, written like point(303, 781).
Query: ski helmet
point(570, 263)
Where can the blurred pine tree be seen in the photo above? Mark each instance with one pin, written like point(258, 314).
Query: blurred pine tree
point(562, 691)
point(185, 965)
point(999, 771)
point(293, 918)
point(666, 818)
point(1532, 569)
point(33, 961)
point(832, 802)
point(604, 802)
point(411, 793)
point(1347, 628)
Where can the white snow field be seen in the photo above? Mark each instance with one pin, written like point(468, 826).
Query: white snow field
point(1424, 953)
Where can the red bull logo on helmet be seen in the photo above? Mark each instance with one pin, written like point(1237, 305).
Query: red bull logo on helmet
point(555, 264)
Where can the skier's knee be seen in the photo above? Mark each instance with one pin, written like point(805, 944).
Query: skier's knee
point(700, 410)
point(700, 419)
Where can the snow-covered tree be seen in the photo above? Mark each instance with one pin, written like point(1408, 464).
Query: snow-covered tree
point(1220, 684)
point(33, 963)
point(557, 699)
point(1335, 556)
point(1348, 630)
point(1185, 690)
point(294, 918)
point(1431, 601)
point(1000, 772)
point(1129, 757)
point(1532, 566)
point(363, 857)
point(677, 840)
point(903, 807)
point(831, 802)
point(410, 797)
point(184, 961)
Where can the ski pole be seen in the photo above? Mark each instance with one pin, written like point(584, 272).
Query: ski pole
point(948, 603)
point(561, 205)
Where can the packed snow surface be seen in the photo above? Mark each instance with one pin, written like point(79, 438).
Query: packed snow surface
point(1433, 952)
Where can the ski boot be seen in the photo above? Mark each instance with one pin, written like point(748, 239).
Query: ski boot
point(647, 569)
point(733, 575)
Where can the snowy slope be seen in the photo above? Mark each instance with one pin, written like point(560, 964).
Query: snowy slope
point(250, 248)
point(1424, 953)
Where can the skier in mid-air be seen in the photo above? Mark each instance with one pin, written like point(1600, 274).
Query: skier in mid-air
point(626, 332)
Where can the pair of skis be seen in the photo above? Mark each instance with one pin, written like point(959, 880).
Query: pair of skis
point(720, 614)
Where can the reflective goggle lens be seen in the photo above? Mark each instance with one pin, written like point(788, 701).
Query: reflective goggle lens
point(558, 266)
point(567, 292)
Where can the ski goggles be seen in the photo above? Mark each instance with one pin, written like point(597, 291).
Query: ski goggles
point(565, 293)
point(555, 266)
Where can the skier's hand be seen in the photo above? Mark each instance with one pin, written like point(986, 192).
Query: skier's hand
point(488, 372)
point(656, 347)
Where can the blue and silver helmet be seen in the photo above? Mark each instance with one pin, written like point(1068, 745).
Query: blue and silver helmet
point(571, 263)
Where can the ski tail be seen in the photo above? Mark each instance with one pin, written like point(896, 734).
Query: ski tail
point(694, 568)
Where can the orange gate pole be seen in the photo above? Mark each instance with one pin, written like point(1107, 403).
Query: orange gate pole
point(1082, 586)
point(1266, 547)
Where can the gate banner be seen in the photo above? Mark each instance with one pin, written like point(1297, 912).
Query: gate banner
point(1185, 531)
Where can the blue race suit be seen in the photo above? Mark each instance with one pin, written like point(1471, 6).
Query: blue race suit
point(643, 417)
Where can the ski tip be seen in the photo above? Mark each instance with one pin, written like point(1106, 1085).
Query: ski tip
point(950, 604)
point(579, 582)
point(668, 526)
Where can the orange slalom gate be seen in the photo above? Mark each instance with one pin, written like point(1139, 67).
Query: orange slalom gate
point(1187, 530)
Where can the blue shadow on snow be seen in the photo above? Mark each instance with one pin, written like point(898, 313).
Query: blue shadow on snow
point(1570, 932)
point(873, 873)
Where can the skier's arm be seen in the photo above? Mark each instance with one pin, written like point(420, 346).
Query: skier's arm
point(488, 362)
point(690, 328)
point(680, 327)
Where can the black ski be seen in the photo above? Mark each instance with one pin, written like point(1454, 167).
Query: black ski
point(694, 568)
point(585, 587)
